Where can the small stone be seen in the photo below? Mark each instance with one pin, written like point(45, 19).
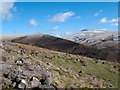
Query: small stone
point(74, 77)
point(50, 64)
point(13, 84)
point(81, 72)
point(19, 61)
point(9, 51)
point(110, 85)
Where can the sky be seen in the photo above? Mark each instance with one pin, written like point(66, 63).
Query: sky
point(57, 18)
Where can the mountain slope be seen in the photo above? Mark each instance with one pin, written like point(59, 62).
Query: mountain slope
point(63, 45)
point(68, 71)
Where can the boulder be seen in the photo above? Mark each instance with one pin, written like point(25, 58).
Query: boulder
point(50, 64)
point(5, 81)
point(13, 84)
point(5, 58)
point(34, 82)
point(47, 78)
point(40, 63)
point(47, 87)
point(48, 81)
point(10, 76)
point(48, 57)
point(55, 73)
point(22, 85)
point(109, 85)
point(74, 77)
point(22, 51)
point(80, 72)
point(19, 61)
point(81, 61)
point(10, 50)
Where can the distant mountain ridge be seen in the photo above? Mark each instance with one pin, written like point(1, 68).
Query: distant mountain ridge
point(96, 38)
point(10, 37)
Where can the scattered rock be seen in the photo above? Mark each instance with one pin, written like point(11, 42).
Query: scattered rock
point(34, 82)
point(46, 87)
point(48, 57)
point(5, 58)
point(74, 77)
point(55, 73)
point(9, 51)
point(80, 72)
point(5, 81)
point(103, 62)
point(81, 61)
point(50, 64)
point(10, 76)
point(47, 78)
point(19, 61)
point(22, 85)
point(109, 85)
point(22, 51)
point(40, 63)
point(13, 84)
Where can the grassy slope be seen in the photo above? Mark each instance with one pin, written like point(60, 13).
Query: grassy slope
point(105, 71)
point(97, 69)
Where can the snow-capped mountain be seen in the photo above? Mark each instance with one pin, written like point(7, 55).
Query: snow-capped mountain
point(94, 37)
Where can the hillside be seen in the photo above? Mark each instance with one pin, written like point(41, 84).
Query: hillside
point(25, 66)
point(63, 45)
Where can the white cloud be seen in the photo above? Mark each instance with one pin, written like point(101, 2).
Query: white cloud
point(5, 9)
point(97, 13)
point(54, 28)
point(15, 9)
point(57, 34)
point(48, 16)
point(103, 20)
point(82, 28)
point(8, 0)
point(104, 29)
point(68, 33)
point(33, 22)
point(77, 17)
point(114, 24)
point(114, 20)
point(40, 31)
point(62, 17)
point(16, 31)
